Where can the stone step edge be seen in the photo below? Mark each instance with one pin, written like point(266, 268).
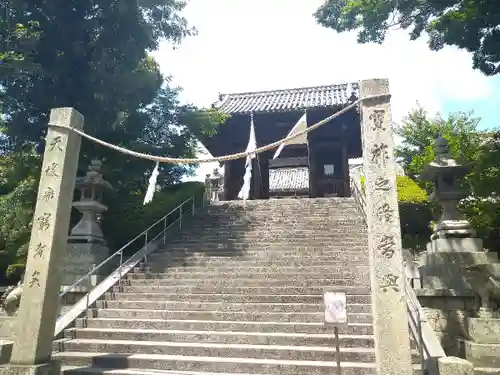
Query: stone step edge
point(230, 312)
point(133, 371)
point(225, 303)
point(319, 296)
point(162, 357)
point(206, 345)
point(221, 333)
point(242, 322)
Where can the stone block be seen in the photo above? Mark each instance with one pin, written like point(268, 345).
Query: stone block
point(52, 368)
point(481, 355)
point(455, 245)
point(7, 326)
point(460, 259)
point(455, 366)
point(484, 331)
point(80, 260)
point(446, 270)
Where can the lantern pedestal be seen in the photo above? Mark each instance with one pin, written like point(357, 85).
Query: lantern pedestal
point(87, 229)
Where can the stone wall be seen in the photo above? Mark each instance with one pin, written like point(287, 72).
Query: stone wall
point(447, 311)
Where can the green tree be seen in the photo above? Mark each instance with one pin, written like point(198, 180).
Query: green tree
point(91, 55)
point(472, 25)
point(468, 145)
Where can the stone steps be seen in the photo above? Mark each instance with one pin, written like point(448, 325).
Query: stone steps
point(225, 306)
point(242, 262)
point(71, 370)
point(216, 289)
point(232, 298)
point(261, 316)
point(229, 326)
point(290, 352)
point(277, 244)
point(239, 291)
point(225, 337)
point(210, 364)
point(270, 274)
point(312, 270)
point(266, 249)
point(250, 282)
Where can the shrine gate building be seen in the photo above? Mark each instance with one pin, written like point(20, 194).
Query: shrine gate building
point(317, 168)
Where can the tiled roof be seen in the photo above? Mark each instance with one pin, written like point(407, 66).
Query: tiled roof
point(288, 100)
point(288, 179)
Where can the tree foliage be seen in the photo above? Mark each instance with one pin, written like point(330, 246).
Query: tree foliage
point(468, 145)
point(92, 55)
point(472, 25)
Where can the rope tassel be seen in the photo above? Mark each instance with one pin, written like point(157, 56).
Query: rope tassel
point(152, 184)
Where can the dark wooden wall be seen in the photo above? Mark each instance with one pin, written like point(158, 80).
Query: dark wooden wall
point(323, 145)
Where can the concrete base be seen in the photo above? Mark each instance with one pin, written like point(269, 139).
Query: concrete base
point(481, 355)
point(484, 331)
point(52, 368)
point(455, 366)
point(7, 327)
point(445, 270)
point(455, 245)
point(80, 260)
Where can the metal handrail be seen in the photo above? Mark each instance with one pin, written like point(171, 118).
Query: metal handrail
point(428, 344)
point(115, 276)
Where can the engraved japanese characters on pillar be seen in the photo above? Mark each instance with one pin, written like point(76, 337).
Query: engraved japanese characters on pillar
point(42, 282)
point(384, 212)
point(382, 184)
point(377, 117)
point(386, 246)
point(384, 234)
point(389, 281)
point(379, 154)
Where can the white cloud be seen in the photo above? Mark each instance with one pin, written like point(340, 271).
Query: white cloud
point(248, 45)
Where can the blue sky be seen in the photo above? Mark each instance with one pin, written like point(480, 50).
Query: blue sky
point(250, 45)
point(488, 109)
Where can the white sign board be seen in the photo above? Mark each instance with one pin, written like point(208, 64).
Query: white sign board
point(335, 308)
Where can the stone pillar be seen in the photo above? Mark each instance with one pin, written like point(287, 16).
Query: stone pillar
point(39, 307)
point(390, 320)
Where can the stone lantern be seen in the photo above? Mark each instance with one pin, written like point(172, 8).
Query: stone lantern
point(446, 174)
point(453, 246)
point(216, 181)
point(86, 245)
point(91, 187)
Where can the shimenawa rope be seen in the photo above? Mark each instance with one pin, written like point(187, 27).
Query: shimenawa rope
point(167, 160)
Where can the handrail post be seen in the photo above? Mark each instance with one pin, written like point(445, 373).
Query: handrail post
point(146, 247)
point(89, 282)
point(420, 339)
point(121, 262)
point(192, 209)
point(180, 217)
point(165, 230)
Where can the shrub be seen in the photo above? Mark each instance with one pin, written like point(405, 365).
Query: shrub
point(127, 216)
point(415, 213)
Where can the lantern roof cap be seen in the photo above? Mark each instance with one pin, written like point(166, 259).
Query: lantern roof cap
point(443, 162)
point(93, 178)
